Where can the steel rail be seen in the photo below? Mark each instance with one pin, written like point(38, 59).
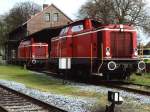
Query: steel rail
point(113, 84)
point(123, 86)
point(2, 109)
point(31, 99)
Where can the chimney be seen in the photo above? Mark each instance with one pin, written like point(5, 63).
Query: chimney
point(45, 6)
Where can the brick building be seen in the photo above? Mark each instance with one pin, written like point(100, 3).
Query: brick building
point(50, 16)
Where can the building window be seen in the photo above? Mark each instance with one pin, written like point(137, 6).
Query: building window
point(47, 16)
point(55, 17)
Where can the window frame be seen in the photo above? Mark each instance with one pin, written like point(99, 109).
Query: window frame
point(47, 15)
point(77, 25)
point(64, 31)
point(56, 17)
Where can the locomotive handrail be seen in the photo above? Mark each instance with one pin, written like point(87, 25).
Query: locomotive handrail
point(141, 50)
point(91, 57)
point(102, 59)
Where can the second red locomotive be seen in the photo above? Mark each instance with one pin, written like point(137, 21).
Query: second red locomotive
point(32, 53)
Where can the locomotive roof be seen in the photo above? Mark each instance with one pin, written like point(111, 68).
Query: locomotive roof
point(111, 26)
point(81, 20)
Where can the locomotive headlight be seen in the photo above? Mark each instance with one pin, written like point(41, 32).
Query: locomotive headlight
point(107, 51)
point(135, 52)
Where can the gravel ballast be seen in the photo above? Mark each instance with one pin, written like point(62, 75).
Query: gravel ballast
point(104, 90)
point(76, 103)
point(69, 103)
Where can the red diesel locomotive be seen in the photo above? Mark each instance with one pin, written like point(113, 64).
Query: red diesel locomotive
point(33, 50)
point(32, 53)
point(88, 47)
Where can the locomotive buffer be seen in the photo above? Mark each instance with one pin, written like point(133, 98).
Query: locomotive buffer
point(64, 65)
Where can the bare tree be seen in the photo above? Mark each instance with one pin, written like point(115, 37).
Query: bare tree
point(132, 12)
point(20, 13)
point(99, 10)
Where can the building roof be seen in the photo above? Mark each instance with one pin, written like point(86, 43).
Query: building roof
point(52, 5)
point(39, 13)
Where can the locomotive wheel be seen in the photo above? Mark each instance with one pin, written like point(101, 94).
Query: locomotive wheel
point(127, 75)
point(123, 75)
point(82, 75)
point(108, 77)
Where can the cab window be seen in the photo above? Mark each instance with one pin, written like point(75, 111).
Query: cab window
point(96, 24)
point(77, 28)
point(64, 31)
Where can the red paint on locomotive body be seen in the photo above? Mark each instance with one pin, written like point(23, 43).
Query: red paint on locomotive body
point(29, 50)
point(88, 42)
point(77, 44)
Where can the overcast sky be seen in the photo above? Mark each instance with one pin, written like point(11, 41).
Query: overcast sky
point(69, 7)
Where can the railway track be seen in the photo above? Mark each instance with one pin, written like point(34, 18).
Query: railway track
point(126, 86)
point(129, 87)
point(13, 101)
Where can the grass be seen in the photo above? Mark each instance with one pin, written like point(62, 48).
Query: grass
point(144, 79)
point(45, 83)
point(40, 82)
point(31, 80)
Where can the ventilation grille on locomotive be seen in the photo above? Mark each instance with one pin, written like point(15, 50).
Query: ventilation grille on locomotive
point(121, 44)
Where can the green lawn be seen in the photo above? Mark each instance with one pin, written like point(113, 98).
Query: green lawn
point(45, 83)
point(144, 79)
point(31, 80)
point(40, 82)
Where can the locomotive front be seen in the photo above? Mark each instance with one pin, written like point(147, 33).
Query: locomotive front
point(120, 53)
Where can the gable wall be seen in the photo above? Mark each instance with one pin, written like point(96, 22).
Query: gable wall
point(37, 23)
